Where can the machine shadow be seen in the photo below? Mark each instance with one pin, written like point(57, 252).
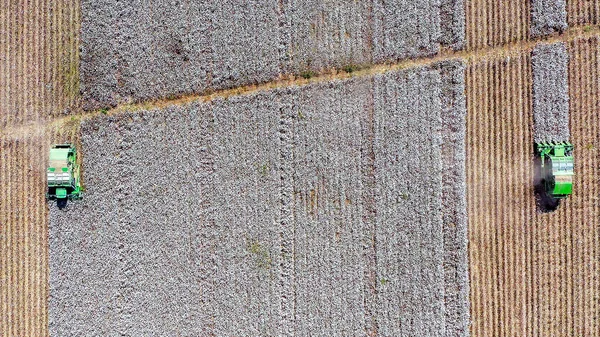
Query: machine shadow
point(544, 202)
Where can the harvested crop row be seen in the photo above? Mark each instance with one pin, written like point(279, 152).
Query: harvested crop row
point(531, 273)
point(24, 230)
point(496, 23)
point(260, 207)
point(580, 12)
point(500, 196)
point(550, 93)
point(566, 248)
point(581, 241)
point(21, 270)
point(23, 238)
point(40, 59)
point(198, 47)
point(547, 17)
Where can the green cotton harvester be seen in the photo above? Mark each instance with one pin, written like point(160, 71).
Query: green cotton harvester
point(556, 168)
point(63, 175)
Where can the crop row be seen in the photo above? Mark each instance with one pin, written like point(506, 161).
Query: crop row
point(532, 273)
point(549, 63)
point(547, 17)
point(24, 231)
point(39, 59)
point(143, 50)
point(307, 210)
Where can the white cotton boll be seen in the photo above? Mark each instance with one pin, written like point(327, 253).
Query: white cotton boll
point(133, 51)
point(549, 63)
point(307, 210)
point(547, 17)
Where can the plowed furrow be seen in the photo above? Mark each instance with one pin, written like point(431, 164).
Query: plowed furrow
point(25, 229)
point(4, 223)
point(17, 246)
point(3, 64)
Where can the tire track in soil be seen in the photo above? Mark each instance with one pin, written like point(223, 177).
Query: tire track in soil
point(287, 223)
point(369, 217)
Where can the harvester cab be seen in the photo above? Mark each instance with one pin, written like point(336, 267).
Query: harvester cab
point(556, 168)
point(63, 175)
